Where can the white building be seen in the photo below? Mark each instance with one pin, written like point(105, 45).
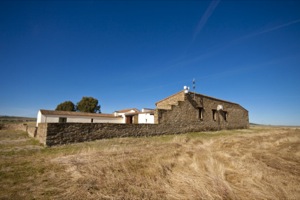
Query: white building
point(134, 116)
point(128, 116)
point(146, 116)
point(51, 116)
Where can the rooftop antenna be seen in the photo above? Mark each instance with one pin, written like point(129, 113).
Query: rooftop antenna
point(194, 86)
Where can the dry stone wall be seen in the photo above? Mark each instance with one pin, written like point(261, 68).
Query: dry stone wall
point(13, 126)
point(65, 133)
point(29, 128)
point(41, 133)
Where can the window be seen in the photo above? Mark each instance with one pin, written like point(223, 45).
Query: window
point(92, 120)
point(200, 113)
point(224, 114)
point(214, 114)
point(62, 120)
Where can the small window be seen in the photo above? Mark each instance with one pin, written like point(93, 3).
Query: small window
point(225, 115)
point(214, 113)
point(62, 120)
point(92, 120)
point(200, 113)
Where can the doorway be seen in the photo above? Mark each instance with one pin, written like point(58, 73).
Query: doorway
point(129, 119)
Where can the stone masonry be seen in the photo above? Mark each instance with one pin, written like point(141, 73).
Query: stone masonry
point(197, 108)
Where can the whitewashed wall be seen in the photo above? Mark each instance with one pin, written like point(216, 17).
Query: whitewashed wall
point(146, 118)
point(123, 119)
point(79, 119)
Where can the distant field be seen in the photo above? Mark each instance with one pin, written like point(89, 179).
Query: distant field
point(256, 163)
point(12, 119)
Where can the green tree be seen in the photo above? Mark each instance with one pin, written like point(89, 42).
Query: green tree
point(66, 106)
point(88, 104)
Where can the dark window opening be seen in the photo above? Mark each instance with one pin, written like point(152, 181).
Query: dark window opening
point(200, 113)
point(62, 120)
point(214, 113)
point(225, 115)
point(92, 120)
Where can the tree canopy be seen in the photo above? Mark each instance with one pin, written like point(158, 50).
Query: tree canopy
point(88, 104)
point(66, 106)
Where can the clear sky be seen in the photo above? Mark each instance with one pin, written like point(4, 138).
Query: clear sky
point(135, 53)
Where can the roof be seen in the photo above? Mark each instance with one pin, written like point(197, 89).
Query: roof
point(213, 98)
point(147, 110)
point(169, 97)
point(127, 110)
point(137, 113)
point(73, 113)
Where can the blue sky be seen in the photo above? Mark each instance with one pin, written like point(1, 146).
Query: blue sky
point(135, 53)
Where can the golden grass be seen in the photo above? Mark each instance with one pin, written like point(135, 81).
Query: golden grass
point(256, 163)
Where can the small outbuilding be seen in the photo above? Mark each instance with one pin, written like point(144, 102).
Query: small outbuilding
point(135, 116)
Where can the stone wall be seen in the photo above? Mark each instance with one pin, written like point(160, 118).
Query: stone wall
point(171, 100)
point(13, 126)
point(167, 103)
point(31, 130)
point(64, 133)
point(41, 133)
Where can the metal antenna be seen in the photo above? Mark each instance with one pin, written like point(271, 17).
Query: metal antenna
point(194, 87)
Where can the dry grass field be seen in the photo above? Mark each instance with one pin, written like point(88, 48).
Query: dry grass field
point(257, 163)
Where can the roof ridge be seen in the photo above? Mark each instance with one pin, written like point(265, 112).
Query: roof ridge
point(128, 109)
point(74, 113)
point(169, 97)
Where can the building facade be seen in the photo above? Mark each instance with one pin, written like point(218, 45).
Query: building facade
point(188, 108)
point(125, 116)
point(182, 112)
point(53, 116)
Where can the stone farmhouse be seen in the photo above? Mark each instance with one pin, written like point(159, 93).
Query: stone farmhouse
point(182, 112)
point(186, 108)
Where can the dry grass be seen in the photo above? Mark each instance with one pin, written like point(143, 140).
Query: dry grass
point(257, 163)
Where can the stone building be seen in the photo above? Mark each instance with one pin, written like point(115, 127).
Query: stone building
point(182, 112)
point(191, 109)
